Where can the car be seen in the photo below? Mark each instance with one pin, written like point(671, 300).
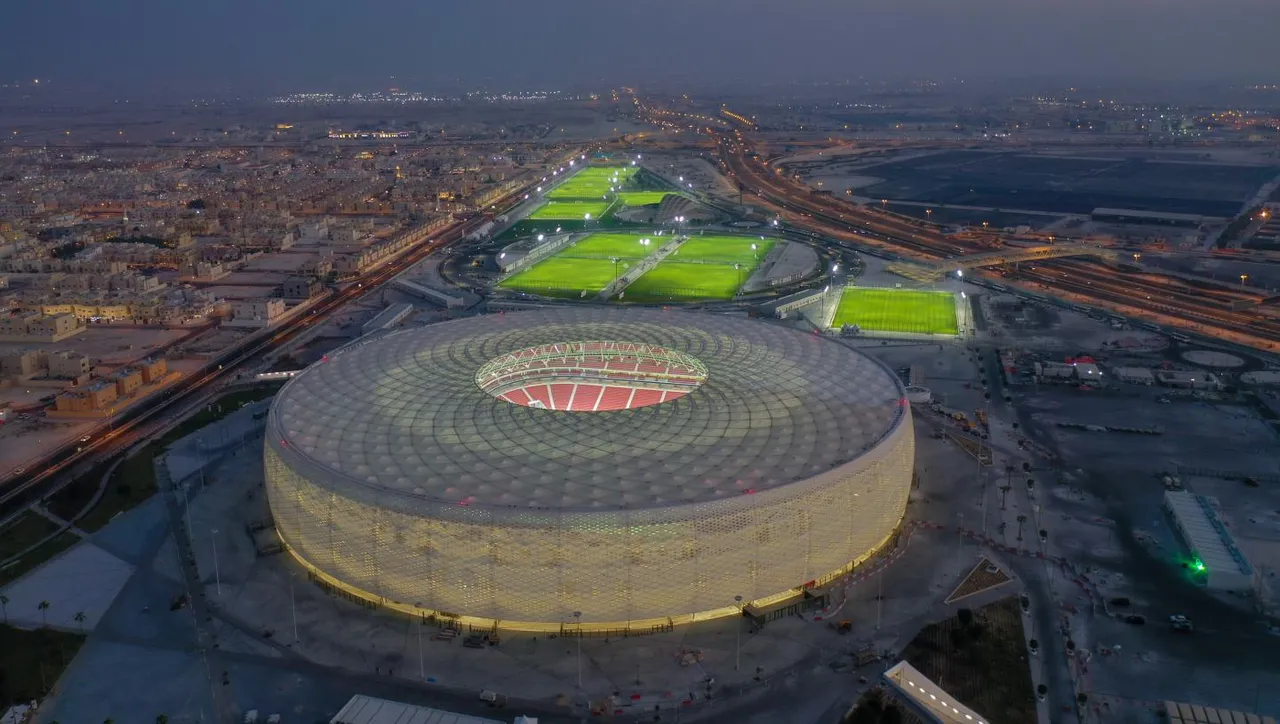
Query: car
point(1181, 623)
point(1135, 619)
point(1120, 602)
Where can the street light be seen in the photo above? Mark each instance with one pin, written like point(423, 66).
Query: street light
point(577, 617)
point(217, 577)
point(1243, 278)
point(737, 656)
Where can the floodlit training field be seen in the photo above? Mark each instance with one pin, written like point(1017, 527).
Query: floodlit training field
point(724, 249)
point(592, 182)
point(897, 310)
point(565, 277)
point(642, 198)
point(570, 210)
point(676, 281)
point(607, 246)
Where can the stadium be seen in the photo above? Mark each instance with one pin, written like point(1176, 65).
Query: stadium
point(613, 468)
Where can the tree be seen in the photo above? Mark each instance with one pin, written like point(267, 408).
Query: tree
point(1004, 491)
point(1042, 690)
point(4, 607)
point(892, 715)
point(79, 619)
point(1026, 467)
point(44, 617)
point(965, 616)
point(1008, 473)
point(1021, 519)
point(1033, 644)
point(1031, 484)
point(162, 719)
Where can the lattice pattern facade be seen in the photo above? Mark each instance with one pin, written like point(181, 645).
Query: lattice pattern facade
point(531, 567)
point(393, 474)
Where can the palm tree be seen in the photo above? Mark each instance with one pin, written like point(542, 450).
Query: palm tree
point(162, 719)
point(1021, 519)
point(4, 607)
point(1004, 491)
point(44, 617)
point(79, 619)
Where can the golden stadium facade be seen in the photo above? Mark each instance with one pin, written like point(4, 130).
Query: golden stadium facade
point(636, 468)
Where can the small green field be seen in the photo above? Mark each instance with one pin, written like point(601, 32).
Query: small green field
point(683, 282)
point(567, 277)
point(897, 310)
point(570, 210)
point(609, 245)
point(724, 249)
point(592, 182)
point(642, 198)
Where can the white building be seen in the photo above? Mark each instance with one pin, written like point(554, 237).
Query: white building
point(256, 312)
point(1134, 375)
point(1224, 565)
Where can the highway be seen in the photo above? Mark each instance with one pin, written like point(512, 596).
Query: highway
point(148, 416)
point(1204, 310)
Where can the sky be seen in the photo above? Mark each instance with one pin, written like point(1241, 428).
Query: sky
point(287, 45)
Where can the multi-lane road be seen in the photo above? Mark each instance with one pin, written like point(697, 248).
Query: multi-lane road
point(1205, 310)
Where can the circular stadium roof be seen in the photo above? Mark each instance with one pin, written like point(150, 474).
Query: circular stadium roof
point(404, 412)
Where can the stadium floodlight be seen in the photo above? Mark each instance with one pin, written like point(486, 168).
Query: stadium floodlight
point(682, 179)
point(571, 162)
point(586, 217)
point(539, 189)
point(526, 196)
point(960, 273)
point(962, 295)
point(633, 163)
point(557, 229)
point(503, 255)
point(835, 268)
point(753, 247)
point(540, 238)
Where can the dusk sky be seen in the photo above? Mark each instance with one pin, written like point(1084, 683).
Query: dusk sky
point(279, 45)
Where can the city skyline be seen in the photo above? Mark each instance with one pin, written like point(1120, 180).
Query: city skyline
point(236, 46)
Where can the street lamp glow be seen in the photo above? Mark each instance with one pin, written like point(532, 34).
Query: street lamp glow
point(960, 273)
point(539, 189)
point(586, 217)
point(540, 238)
point(503, 255)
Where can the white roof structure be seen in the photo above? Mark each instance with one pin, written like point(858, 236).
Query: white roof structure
point(1210, 541)
point(1184, 713)
point(928, 697)
point(361, 709)
point(403, 414)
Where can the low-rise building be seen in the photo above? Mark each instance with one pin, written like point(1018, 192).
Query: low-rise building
point(128, 381)
point(153, 369)
point(68, 365)
point(20, 363)
point(95, 397)
point(301, 288)
point(1188, 380)
point(1134, 375)
point(35, 327)
point(257, 312)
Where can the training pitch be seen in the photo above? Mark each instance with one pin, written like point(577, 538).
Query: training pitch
point(592, 182)
point(607, 246)
point(682, 282)
point(897, 310)
point(566, 277)
point(570, 210)
point(724, 249)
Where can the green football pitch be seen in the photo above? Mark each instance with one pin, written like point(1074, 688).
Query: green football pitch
point(570, 210)
point(725, 249)
point(592, 182)
point(681, 282)
point(607, 246)
point(897, 310)
point(565, 277)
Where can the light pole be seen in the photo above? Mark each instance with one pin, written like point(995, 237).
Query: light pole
point(577, 617)
point(217, 577)
point(422, 672)
point(737, 655)
point(616, 259)
point(293, 606)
